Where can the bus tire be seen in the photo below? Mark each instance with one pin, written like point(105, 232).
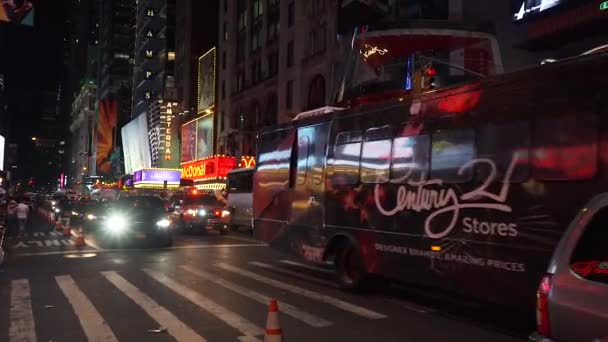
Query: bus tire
point(350, 269)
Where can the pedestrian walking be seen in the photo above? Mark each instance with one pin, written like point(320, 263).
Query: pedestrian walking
point(23, 211)
point(11, 213)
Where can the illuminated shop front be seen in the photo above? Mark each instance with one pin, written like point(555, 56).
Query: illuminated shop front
point(156, 178)
point(211, 173)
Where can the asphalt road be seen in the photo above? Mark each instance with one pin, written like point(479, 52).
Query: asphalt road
point(205, 288)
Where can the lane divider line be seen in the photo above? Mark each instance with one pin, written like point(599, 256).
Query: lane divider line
point(162, 316)
point(310, 267)
point(286, 308)
point(340, 304)
point(94, 326)
point(231, 318)
point(22, 327)
point(294, 274)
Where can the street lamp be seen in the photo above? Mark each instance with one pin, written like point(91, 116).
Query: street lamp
point(34, 138)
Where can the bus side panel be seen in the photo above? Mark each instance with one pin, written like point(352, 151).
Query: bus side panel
point(271, 191)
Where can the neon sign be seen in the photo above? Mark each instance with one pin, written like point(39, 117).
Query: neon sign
point(247, 162)
point(604, 6)
point(212, 168)
point(372, 50)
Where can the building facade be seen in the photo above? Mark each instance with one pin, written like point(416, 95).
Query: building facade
point(275, 59)
point(154, 71)
point(82, 129)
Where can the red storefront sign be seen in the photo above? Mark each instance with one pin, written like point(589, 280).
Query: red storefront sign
point(212, 168)
point(247, 162)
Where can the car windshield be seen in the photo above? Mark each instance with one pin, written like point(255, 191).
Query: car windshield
point(138, 203)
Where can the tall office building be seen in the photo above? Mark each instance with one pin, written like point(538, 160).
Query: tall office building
point(153, 74)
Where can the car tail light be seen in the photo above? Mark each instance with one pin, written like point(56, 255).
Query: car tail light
point(542, 306)
point(217, 213)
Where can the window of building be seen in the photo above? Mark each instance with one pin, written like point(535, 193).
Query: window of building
point(225, 30)
point(242, 15)
point(290, 54)
point(226, 5)
point(273, 63)
point(590, 253)
point(291, 13)
point(376, 155)
point(273, 28)
point(256, 71)
point(410, 158)
point(289, 95)
point(317, 6)
point(258, 10)
point(504, 144)
point(256, 37)
point(224, 60)
point(240, 80)
point(565, 148)
point(273, 3)
point(346, 160)
point(450, 151)
point(223, 89)
point(222, 120)
point(240, 47)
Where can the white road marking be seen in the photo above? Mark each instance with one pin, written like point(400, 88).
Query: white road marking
point(68, 242)
point(39, 243)
point(49, 243)
point(242, 238)
point(355, 309)
point(285, 308)
point(94, 326)
point(231, 318)
point(206, 246)
point(249, 339)
point(310, 267)
point(38, 234)
point(22, 327)
point(162, 316)
point(294, 274)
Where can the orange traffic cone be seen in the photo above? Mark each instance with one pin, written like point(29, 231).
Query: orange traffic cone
point(80, 239)
point(67, 231)
point(273, 328)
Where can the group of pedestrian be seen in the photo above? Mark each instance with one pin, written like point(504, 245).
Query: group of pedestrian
point(17, 216)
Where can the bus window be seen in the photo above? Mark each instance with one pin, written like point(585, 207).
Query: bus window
point(303, 154)
point(240, 182)
point(450, 151)
point(565, 148)
point(410, 158)
point(347, 153)
point(376, 155)
point(501, 143)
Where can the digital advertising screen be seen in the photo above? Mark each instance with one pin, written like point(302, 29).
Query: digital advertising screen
point(17, 11)
point(206, 82)
point(2, 144)
point(189, 141)
point(155, 178)
point(136, 145)
point(523, 9)
point(107, 162)
point(204, 133)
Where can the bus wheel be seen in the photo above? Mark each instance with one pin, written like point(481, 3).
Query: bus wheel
point(350, 270)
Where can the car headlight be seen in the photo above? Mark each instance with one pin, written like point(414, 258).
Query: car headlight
point(75, 213)
point(202, 212)
point(225, 213)
point(116, 224)
point(164, 223)
point(91, 217)
point(191, 212)
point(53, 203)
point(57, 210)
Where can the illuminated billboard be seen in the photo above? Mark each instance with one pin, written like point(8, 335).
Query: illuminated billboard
point(108, 157)
point(2, 141)
point(17, 11)
point(197, 139)
point(136, 145)
point(204, 136)
point(208, 169)
point(156, 178)
point(206, 82)
point(189, 141)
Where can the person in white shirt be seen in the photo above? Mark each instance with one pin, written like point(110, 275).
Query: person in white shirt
point(22, 211)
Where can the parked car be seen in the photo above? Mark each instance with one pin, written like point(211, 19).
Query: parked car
point(572, 298)
point(200, 212)
point(240, 198)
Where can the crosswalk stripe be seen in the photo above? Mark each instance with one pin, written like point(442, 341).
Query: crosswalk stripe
point(94, 326)
point(22, 327)
point(294, 274)
point(164, 317)
point(355, 309)
point(286, 308)
point(310, 267)
point(231, 318)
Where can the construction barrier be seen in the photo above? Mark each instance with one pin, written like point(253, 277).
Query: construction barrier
point(80, 238)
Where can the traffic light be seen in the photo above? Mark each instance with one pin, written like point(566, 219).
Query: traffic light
point(428, 77)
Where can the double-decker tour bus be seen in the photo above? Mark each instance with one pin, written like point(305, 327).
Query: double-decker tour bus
point(465, 187)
